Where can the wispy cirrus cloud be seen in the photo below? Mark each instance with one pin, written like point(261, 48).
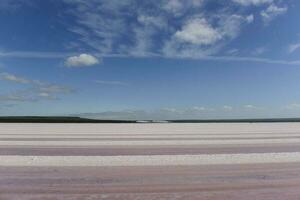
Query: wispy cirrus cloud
point(293, 47)
point(178, 7)
point(13, 5)
point(36, 90)
point(153, 27)
point(259, 51)
point(35, 54)
point(157, 28)
point(165, 28)
point(13, 78)
point(113, 83)
point(253, 2)
point(243, 59)
point(15, 97)
point(272, 12)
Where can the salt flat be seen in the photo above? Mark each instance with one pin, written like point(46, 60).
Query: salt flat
point(150, 161)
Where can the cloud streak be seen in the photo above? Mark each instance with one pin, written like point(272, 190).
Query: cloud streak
point(34, 54)
point(293, 47)
point(253, 2)
point(13, 78)
point(116, 83)
point(153, 55)
point(36, 90)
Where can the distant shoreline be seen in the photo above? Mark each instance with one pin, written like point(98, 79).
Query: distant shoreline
point(59, 119)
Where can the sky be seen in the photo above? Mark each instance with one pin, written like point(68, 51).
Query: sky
point(150, 59)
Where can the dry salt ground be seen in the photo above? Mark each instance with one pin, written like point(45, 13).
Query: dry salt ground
point(150, 161)
point(131, 135)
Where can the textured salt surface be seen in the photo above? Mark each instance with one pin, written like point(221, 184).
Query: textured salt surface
point(157, 160)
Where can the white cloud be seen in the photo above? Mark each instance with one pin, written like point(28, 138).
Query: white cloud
point(293, 47)
point(198, 32)
point(272, 12)
point(13, 78)
point(198, 39)
point(252, 2)
point(82, 60)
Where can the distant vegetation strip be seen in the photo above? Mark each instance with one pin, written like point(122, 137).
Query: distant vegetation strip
point(32, 119)
point(59, 119)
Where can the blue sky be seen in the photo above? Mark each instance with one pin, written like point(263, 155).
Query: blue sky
point(153, 59)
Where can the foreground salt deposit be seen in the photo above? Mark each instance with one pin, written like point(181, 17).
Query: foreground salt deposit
point(150, 161)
